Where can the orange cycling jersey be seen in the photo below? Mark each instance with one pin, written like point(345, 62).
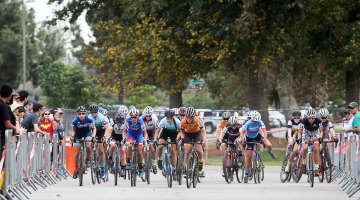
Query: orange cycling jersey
point(222, 124)
point(192, 127)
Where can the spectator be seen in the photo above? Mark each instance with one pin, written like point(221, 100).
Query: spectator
point(47, 123)
point(16, 97)
point(29, 107)
point(31, 121)
point(7, 118)
point(354, 109)
point(347, 122)
point(57, 113)
point(23, 97)
point(18, 112)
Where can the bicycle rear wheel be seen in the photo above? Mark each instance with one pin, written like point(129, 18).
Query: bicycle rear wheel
point(328, 169)
point(321, 167)
point(227, 162)
point(93, 166)
point(310, 170)
point(195, 171)
point(81, 166)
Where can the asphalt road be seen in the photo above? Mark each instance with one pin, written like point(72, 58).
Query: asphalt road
point(212, 187)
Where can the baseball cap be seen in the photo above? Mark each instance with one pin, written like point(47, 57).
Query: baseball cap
point(37, 107)
point(31, 101)
point(353, 105)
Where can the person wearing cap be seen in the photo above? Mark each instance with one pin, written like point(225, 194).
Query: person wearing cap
point(29, 107)
point(31, 121)
point(18, 112)
point(354, 109)
point(347, 123)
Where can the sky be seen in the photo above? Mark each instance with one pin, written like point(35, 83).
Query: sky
point(43, 11)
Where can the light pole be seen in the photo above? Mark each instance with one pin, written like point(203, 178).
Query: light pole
point(24, 42)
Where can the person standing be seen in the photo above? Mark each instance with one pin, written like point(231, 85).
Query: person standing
point(7, 118)
point(31, 121)
point(354, 109)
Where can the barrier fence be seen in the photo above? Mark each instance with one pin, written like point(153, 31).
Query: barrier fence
point(31, 162)
point(345, 158)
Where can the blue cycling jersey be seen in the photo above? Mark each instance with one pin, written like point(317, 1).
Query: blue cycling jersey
point(134, 131)
point(82, 127)
point(252, 129)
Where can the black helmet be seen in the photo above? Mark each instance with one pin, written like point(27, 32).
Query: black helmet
point(94, 108)
point(81, 109)
point(169, 113)
point(296, 113)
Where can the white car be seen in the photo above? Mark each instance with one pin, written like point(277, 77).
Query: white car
point(275, 116)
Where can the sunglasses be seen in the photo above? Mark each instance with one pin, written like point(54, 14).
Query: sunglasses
point(133, 117)
point(323, 117)
point(147, 115)
point(350, 107)
point(81, 113)
point(182, 115)
point(46, 113)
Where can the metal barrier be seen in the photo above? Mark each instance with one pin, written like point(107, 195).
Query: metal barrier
point(31, 161)
point(346, 164)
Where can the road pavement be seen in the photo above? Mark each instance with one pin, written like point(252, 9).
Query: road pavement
point(213, 186)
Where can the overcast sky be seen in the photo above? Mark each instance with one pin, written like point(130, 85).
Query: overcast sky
point(43, 11)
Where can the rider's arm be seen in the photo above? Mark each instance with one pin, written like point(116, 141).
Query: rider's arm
point(107, 131)
point(145, 135)
point(289, 135)
point(221, 136)
point(218, 132)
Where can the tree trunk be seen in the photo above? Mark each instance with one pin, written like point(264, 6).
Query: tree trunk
point(176, 99)
point(258, 95)
point(121, 96)
point(352, 86)
point(285, 88)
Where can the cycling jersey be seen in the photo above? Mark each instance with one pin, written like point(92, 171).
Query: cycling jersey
point(294, 126)
point(252, 129)
point(193, 127)
point(134, 131)
point(82, 128)
point(150, 125)
point(169, 129)
point(310, 131)
point(326, 126)
point(222, 124)
point(100, 121)
point(231, 134)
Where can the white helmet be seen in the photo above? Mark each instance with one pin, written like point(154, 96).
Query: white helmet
point(248, 114)
point(148, 110)
point(123, 110)
point(232, 120)
point(310, 112)
point(176, 111)
point(255, 116)
point(226, 115)
point(323, 112)
point(190, 112)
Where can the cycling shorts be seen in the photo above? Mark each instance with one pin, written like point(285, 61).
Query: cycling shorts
point(197, 137)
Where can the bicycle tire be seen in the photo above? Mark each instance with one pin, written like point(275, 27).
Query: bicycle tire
point(133, 172)
point(195, 170)
point(167, 168)
point(255, 168)
point(226, 167)
point(81, 166)
point(298, 169)
point(311, 170)
point(239, 167)
point(93, 168)
point(328, 168)
point(321, 167)
point(147, 166)
point(261, 168)
point(189, 173)
point(179, 167)
point(116, 163)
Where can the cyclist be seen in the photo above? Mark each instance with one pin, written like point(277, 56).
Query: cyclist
point(116, 136)
point(248, 116)
point(327, 128)
point(169, 126)
point(222, 124)
point(135, 130)
point(150, 121)
point(230, 133)
point(103, 131)
point(310, 130)
point(105, 113)
point(292, 128)
point(182, 113)
point(254, 130)
point(177, 113)
point(83, 127)
point(192, 128)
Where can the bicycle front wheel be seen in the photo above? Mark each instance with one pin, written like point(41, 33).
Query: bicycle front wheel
point(116, 167)
point(179, 167)
point(147, 166)
point(93, 166)
point(195, 171)
point(133, 171)
point(310, 170)
point(82, 165)
point(328, 168)
point(227, 164)
point(168, 170)
point(255, 168)
point(321, 167)
point(189, 171)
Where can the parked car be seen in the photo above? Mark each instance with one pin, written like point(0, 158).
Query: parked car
point(210, 119)
point(275, 117)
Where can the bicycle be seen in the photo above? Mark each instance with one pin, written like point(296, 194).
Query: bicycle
point(81, 159)
point(325, 168)
point(148, 163)
point(167, 169)
point(192, 170)
point(310, 165)
point(180, 162)
point(116, 160)
point(232, 162)
point(94, 162)
point(286, 176)
point(257, 167)
point(134, 168)
point(296, 165)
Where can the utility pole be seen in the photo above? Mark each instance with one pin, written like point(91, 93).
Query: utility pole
point(24, 42)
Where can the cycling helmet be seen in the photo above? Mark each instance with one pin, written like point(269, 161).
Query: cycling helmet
point(176, 111)
point(132, 107)
point(123, 110)
point(169, 112)
point(226, 115)
point(148, 110)
point(255, 116)
point(190, 112)
point(323, 112)
point(248, 114)
point(81, 109)
point(310, 112)
point(102, 111)
point(296, 113)
point(119, 118)
point(94, 108)
point(134, 112)
point(233, 120)
point(182, 110)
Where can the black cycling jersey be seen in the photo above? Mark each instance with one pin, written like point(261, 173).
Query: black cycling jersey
point(310, 127)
